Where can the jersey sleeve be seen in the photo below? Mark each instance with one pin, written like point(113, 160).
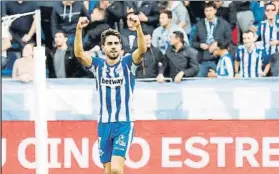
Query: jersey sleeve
point(229, 66)
point(131, 64)
point(96, 61)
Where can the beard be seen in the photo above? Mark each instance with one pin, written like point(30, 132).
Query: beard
point(113, 56)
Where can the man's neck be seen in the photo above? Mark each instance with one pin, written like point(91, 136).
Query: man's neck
point(178, 47)
point(112, 62)
point(168, 26)
point(250, 48)
point(212, 19)
point(63, 47)
point(271, 21)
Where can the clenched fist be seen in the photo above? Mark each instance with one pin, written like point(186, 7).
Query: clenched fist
point(135, 20)
point(82, 22)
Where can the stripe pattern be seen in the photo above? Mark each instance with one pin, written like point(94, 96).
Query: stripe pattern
point(115, 85)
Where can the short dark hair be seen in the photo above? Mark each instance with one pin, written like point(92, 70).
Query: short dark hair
point(223, 45)
point(248, 31)
point(169, 13)
point(179, 35)
point(210, 4)
point(62, 32)
point(109, 32)
point(269, 3)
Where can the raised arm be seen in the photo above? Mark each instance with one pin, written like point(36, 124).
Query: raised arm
point(142, 48)
point(81, 55)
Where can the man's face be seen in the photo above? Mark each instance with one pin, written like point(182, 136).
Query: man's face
point(164, 20)
point(217, 52)
point(27, 50)
point(147, 40)
point(60, 39)
point(248, 39)
point(129, 23)
point(105, 2)
point(97, 14)
point(270, 12)
point(209, 12)
point(112, 47)
point(174, 40)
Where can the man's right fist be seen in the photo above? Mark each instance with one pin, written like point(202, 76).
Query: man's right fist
point(82, 22)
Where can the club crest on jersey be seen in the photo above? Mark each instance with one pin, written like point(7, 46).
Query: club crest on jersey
point(112, 82)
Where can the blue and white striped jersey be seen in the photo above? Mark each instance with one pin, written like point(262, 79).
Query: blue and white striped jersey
point(115, 85)
point(225, 66)
point(250, 63)
point(268, 33)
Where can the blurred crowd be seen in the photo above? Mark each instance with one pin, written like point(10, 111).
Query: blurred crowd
point(215, 39)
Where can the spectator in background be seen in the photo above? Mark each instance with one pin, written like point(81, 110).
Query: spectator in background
point(148, 12)
point(62, 62)
point(114, 11)
point(248, 58)
point(151, 61)
point(23, 67)
point(209, 32)
point(192, 17)
point(95, 28)
point(257, 7)
point(129, 35)
point(65, 17)
point(161, 35)
point(227, 13)
point(90, 5)
point(245, 17)
point(22, 29)
point(196, 7)
point(180, 15)
point(268, 30)
point(225, 64)
point(181, 60)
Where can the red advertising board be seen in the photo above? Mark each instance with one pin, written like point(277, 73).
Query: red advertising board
point(163, 147)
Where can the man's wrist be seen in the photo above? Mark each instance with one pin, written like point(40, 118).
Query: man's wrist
point(138, 27)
